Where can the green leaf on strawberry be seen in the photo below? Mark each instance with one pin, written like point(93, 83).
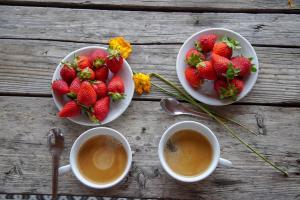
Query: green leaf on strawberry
point(194, 60)
point(74, 63)
point(201, 64)
point(98, 62)
point(198, 46)
point(222, 93)
point(93, 118)
point(72, 95)
point(89, 113)
point(116, 96)
point(68, 64)
point(232, 43)
point(231, 72)
point(113, 53)
point(251, 59)
point(253, 68)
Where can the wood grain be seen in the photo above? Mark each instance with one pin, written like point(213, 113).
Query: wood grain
point(241, 5)
point(26, 68)
point(25, 161)
point(96, 26)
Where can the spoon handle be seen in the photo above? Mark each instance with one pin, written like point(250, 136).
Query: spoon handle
point(196, 113)
point(55, 162)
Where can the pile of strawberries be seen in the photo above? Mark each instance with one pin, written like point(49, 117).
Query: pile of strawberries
point(212, 60)
point(85, 82)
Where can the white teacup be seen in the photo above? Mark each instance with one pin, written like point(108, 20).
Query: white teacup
point(81, 140)
point(201, 129)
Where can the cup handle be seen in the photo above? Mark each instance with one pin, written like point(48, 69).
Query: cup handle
point(64, 169)
point(225, 162)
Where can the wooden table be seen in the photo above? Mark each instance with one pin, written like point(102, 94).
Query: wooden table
point(36, 34)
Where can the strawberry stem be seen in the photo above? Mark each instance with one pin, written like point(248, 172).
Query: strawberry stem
point(198, 46)
point(98, 63)
point(232, 72)
point(193, 60)
point(232, 43)
point(72, 95)
point(116, 96)
point(113, 53)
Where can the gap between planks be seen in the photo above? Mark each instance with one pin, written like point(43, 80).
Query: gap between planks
point(285, 105)
point(91, 6)
point(133, 43)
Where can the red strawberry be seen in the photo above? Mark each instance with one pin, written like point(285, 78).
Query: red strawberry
point(101, 108)
point(114, 61)
point(238, 85)
point(98, 58)
point(101, 74)
point(222, 49)
point(87, 74)
point(220, 64)
point(193, 77)
point(82, 62)
point(206, 70)
point(193, 57)
point(70, 109)
point(86, 94)
point(100, 89)
point(74, 88)
point(60, 87)
point(234, 88)
point(75, 85)
point(67, 73)
point(225, 47)
point(116, 88)
point(220, 86)
point(228, 90)
point(206, 42)
point(243, 64)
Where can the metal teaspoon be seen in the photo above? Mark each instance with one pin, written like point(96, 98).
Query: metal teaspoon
point(56, 147)
point(174, 107)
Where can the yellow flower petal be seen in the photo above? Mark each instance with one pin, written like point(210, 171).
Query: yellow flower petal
point(139, 91)
point(119, 43)
point(142, 83)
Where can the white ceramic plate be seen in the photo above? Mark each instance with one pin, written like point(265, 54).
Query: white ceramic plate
point(206, 94)
point(116, 108)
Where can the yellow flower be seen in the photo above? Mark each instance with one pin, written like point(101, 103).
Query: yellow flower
point(291, 3)
point(119, 43)
point(142, 83)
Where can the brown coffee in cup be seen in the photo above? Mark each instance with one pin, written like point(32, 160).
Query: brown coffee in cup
point(102, 159)
point(188, 153)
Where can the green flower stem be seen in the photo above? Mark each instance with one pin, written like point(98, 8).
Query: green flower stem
point(229, 130)
point(167, 92)
point(170, 84)
point(234, 121)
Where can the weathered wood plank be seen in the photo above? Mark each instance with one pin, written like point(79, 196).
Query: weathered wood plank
point(26, 67)
point(25, 161)
point(242, 5)
point(142, 27)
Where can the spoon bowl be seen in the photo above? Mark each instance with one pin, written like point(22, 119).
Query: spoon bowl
point(174, 107)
